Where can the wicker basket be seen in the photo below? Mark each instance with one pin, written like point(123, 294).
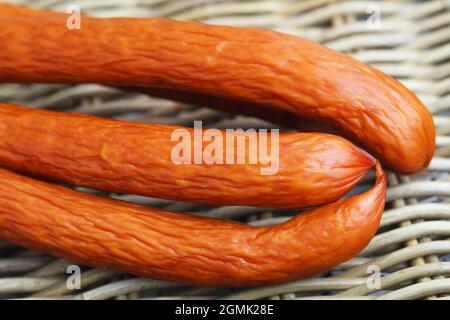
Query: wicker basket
point(407, 39)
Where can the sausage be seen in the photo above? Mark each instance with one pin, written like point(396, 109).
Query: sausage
point(298, 169)
point(103, 232)
point(252, 66)
point(131, 157)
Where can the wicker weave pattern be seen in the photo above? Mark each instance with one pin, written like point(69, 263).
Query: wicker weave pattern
point(412, 245)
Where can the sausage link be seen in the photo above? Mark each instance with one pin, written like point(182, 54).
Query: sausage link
point(309, 169)
point(252, 66)
point(103, 232)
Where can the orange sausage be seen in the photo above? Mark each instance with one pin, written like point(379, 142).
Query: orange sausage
point(252, 66)
point(311, 169)
point(108, 233)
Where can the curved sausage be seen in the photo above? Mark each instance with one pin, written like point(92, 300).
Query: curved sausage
point(252, 66)
point(108, 233)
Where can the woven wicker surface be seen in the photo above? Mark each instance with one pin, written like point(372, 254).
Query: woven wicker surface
point(412, 247)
